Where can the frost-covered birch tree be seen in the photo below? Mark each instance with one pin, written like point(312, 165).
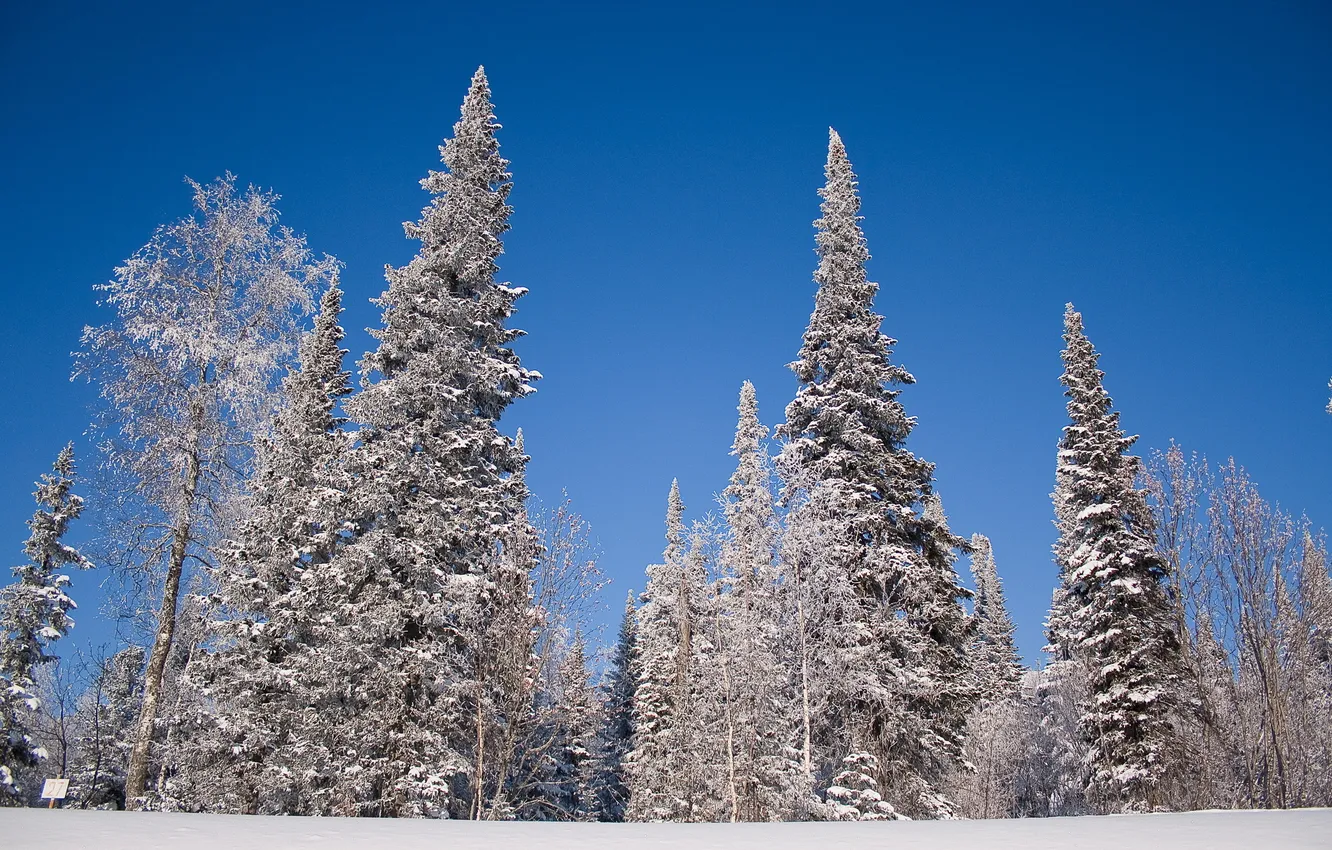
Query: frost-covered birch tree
point(883, 630)
point(1254, 602)
point(34, 614)
point(1113, 612)
point(206, 318)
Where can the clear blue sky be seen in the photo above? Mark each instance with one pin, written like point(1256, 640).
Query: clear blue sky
point(1165, 169)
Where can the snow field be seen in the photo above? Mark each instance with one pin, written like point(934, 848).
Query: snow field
point(21, 829)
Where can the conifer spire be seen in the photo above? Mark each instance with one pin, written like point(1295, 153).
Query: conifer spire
point(1112, 611)
point(993, 649)
point(874, 568)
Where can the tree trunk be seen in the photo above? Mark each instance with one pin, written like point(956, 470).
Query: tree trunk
point(136, 775)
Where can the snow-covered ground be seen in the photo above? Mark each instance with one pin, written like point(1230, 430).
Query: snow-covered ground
point(84, 830)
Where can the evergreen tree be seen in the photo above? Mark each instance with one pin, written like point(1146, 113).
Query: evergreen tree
point(664, 770)
point(1115, 614)
point(433, 570)
point(883, 626)
point(854, 793)
point(34, 614)
point(260, 738)
point(993, 650)
point(610, 783)
point(760, 727)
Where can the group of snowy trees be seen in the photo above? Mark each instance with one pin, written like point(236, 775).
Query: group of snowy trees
point(812, 654)
point(346, 603)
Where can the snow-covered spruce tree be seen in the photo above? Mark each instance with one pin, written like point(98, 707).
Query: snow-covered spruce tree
point(432, 572)
point(884, 630)
point(854, 792)
point(34, 614)
point(664, 770)
point(265, 671)
point(1115, 614)
point(764, 780)
point(207, 315)
point(993, 651)
point(932, 607)
point(610, 783)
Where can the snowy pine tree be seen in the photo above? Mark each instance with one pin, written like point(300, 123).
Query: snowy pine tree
point(854, 793)
point(560, 786)
point(993, 650)
point(268, 674)
point(883, 627)
point(1114, 614)
point(764, 777)
point(104, 730)
point(432, 573)
point(664, 767)
point(34, 614)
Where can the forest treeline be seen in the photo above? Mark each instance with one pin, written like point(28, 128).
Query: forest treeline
point(342, 600)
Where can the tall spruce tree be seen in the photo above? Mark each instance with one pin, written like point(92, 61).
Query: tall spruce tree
point(563, 786)
point(993, 651)
point(761, 724)
point(430, 572)
point(884, 628)
point(663, 768)
point(1112, 612)
point(34, 614)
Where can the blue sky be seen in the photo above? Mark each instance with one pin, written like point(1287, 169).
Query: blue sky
point(1166, 170)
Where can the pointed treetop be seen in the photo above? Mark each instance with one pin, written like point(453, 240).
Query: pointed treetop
point(479, 89)
point(983, 572)
point(476, 105)
point(934, 511)
point(749, 432)
point(674, 505)
point(1088, 400)
point(835, 143)
point(748, 399)
point(674, 523)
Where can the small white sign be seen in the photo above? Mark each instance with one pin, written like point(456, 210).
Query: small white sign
point(55, 789)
